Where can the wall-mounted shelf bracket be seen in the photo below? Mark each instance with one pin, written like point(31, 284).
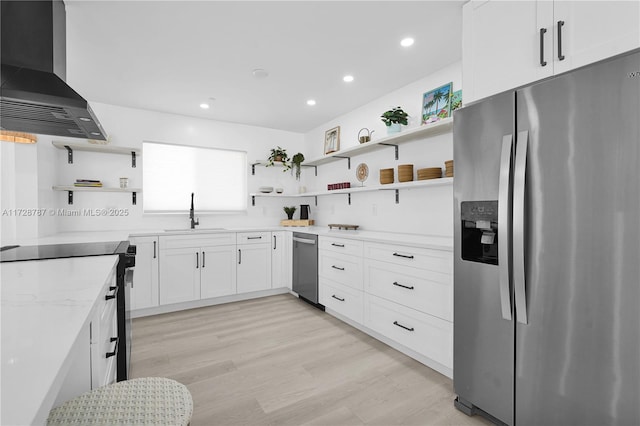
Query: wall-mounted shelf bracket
point(253, 169)
point(348, 161)
point(349, 194)
point(133, 160)
point(391, 144)
point(316, 200)
point(69, 155)
point(397, 196)
point(70, 197)
point(253, 200)
point(134, 198)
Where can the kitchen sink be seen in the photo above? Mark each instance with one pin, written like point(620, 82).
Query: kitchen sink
point(194, 230)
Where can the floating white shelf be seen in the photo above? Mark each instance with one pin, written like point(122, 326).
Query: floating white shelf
point(109, 149)
point(71, 189)
point(442, 126)
point(349, 191)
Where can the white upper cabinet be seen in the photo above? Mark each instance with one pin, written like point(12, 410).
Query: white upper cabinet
point(594, 30)
point(507, 44)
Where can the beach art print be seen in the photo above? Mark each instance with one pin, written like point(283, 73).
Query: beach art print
point(436, 104)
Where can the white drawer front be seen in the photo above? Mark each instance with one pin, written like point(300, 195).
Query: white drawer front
point(342, 299)
point(425, 334)
point(344, 269)
point(426, 291)
point(341, 245)
point(103, 368)
point(253, 237)
point(197, 240)
point(432, 260)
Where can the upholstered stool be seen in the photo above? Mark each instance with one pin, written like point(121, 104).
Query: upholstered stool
point(145, 401)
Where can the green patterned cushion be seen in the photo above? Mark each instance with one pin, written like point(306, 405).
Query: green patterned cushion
point(145, 401)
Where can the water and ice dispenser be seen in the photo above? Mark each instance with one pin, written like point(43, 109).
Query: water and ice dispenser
point(479, 231)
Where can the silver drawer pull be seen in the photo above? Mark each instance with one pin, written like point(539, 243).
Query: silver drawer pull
point(337, 245)
point(112, 295)
point(402, 326)
point(403, 255)
point(403, 286)
point(336, 297)
point(115, 348)
point(337, 267)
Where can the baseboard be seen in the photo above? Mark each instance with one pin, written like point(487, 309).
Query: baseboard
point(175, 307)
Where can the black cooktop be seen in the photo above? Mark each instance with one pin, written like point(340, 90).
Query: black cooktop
point(56, 251)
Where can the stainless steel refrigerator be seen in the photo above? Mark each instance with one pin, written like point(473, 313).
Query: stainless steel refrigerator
point(547, 250)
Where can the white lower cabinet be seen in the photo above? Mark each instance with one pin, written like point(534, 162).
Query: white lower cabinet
point(342, 299)
point(144, 291)
point(281, 259)
point(191, 267)
point(218, 271)
point(254, 262)
point(179, 275)
point(397, 292)
point(423, 333)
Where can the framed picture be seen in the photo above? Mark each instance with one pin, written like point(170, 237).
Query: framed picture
point(456, 100)
point(436, 104)
point(332, 140)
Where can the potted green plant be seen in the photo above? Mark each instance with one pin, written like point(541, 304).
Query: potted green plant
point(289, 211)
point(394, 118)
point(296, 161)
point(278, 155)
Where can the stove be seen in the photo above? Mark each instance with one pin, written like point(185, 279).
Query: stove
point(124, 280)
point(57, 251)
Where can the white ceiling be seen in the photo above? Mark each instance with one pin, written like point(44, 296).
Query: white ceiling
point(171, 56)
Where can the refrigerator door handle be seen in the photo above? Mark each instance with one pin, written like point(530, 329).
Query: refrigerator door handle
point(504, 202)
point(519, 284)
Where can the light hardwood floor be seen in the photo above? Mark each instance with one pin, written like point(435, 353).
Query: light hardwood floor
point(279, 361)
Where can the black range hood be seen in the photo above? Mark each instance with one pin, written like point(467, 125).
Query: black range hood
point(34, 97)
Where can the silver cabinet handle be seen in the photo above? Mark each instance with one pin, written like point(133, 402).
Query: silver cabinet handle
point(504, 226)
point(519, 176)
point(560, 55)
point(336, 297)
point(543, 63)
point(303, 240)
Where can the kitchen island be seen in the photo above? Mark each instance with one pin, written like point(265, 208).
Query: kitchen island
point(47, 306)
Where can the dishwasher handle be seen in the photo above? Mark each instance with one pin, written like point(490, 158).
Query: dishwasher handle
point(304, 240)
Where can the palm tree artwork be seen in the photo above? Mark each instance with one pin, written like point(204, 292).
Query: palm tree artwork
point(435, 104)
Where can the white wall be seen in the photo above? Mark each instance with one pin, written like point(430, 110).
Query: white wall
point(18, 197)
point(421, 210)
point(130, 127)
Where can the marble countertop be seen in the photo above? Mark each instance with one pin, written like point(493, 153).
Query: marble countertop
point(425, 241)
point(45, 305)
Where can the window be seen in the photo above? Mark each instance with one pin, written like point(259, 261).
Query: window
point(217, 177)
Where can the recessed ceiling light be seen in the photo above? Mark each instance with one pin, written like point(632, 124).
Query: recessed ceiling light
point(260, 73)
point(204, 105)
point(406, 42)
point(347, 78)
point(311, 102)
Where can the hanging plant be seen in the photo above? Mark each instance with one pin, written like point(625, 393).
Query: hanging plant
point(296, 162)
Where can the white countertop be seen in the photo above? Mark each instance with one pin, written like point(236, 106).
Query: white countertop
point(45, 305)
point(436, 242)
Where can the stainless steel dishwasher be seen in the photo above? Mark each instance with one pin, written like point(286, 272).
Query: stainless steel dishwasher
point(305, 266)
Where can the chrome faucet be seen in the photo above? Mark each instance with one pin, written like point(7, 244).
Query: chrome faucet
point(192, 215)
